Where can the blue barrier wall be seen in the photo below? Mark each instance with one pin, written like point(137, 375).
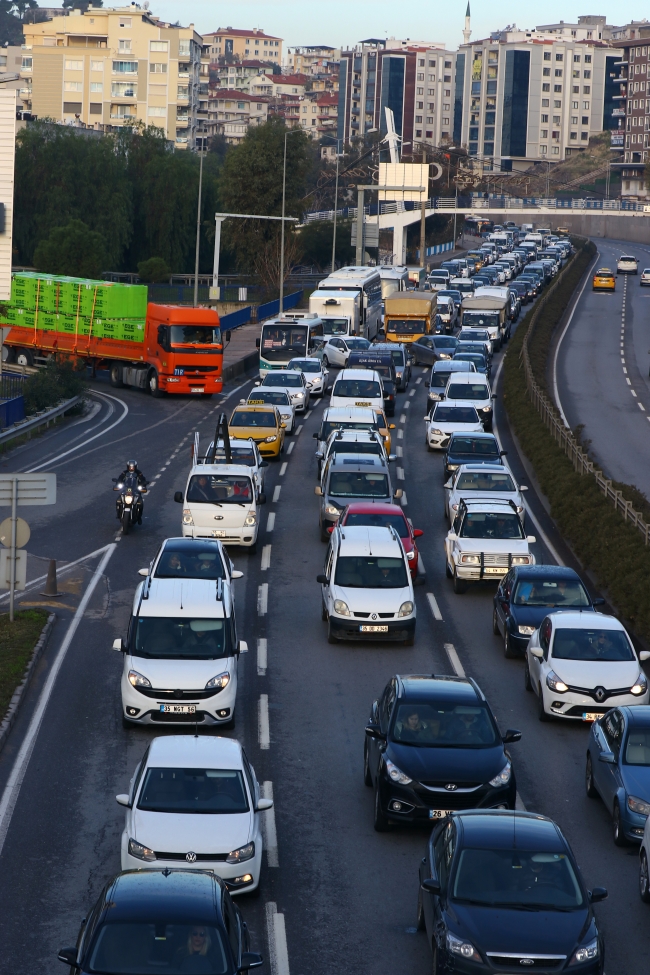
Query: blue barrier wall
point(235, 318)
point(11, 411)
point(272, 308)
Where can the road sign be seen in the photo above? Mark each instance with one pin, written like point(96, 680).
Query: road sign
point(31, 488)
point(22, 532)
point(19, 566)
point(370, 234)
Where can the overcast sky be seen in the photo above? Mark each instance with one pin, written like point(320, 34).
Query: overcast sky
point(341, 23)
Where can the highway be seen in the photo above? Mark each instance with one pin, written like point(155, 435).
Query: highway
point(602, 370)
point(345, 894)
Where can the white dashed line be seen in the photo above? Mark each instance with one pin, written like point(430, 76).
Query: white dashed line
point(403, 499)
point(400, 473)
point(412, 393)
point(276, 493)
point(308, 414)
point(298, 431)
point(433, 605)
point(264, 732)
point(262, 599)
point(267, 822)
point(633, 393)
point(407, 405)
point(277, 936)
point(291, 446)
point(641, 406)
point(266, 558)
point(625, 370)
point(418, 380)
point(454, 660)
point(400, 434)
point(270, 522)
point(400, 452)
point(262, 654)
point(283, 469)
point(628, 382)
point(402, 418)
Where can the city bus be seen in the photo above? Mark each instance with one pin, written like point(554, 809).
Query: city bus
point(290, 336)
point(393, 278)
point(366, 282)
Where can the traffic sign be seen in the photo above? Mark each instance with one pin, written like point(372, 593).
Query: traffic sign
point(22, 532)
point(30, 488)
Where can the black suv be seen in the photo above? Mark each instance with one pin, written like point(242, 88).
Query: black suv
point(433, 745)
point(471, 448)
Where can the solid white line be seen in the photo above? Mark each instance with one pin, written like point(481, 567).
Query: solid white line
point(269, 831)
point(270, 522)
point(60, 570)
point(454, 660)
point(283, 469)
point(264, 734)
point(291, 446)
point(266, 558)
point(277, 935)
point(58, 457)
point(556, 392)
point(433, 605)
point(400, 473)
point(15, 780)
point(276, 493)
point(262, 655)
point(262, 599)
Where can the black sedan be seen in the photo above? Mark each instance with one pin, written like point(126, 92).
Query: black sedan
point(432, 745)
point(430, 348)
point(527, 594)
point(501, 891)
point(471, 448)
point(172, 921)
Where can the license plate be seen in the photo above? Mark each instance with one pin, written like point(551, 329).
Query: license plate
point(218, 533)
point(178, 708)
point(439, 813)
point(492, 571)
point(591, 716)
point(374, 629)
point(197, 389)
point(361, 403)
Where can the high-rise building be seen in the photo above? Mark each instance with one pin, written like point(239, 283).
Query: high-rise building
point(632, 111)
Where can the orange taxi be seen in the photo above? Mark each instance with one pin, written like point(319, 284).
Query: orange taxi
point(604, 280)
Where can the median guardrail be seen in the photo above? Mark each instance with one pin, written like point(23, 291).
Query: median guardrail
point(42, 419)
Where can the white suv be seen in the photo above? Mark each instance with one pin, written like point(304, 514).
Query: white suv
point(358, 387)
point(627, 265)
point(367, 593)
point(487, 538)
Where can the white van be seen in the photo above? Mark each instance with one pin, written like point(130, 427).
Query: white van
point(358, 387)
point(221, 501)
point(181, 649)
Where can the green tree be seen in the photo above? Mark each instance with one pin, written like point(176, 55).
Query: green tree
point(316, 241)
point(153, 271)
point(74, 249)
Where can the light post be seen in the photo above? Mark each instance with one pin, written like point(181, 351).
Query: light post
point(198, 234)
point(336, 203)
point(284, 193)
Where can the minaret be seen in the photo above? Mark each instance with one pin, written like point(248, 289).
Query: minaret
point(467, 32)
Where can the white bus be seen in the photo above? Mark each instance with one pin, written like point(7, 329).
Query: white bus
point(393, 278)
point(367, 282)
point(291, 336)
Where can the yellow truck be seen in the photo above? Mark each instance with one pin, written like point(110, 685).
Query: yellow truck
point(409, 315)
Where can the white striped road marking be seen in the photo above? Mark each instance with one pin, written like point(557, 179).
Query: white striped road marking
point(262, 599)
point(276, 493)
point(433, 605)
point(291, 446)
point(641, 406)
point(421, 563)
point(277, 937)
point(299, 429)
point(264, 733)
point(628, 381)
point(633, 393)
point(403, 499)
point(308, 414)
point(267, 822)
point(412, 393)
point(400, 473)
point(407, 405)
point(400, 434)
point(270, 522)
point(402, 418)
point(418, 380)
point(262, 654)
point(625, 370)
point(454, 660)
point(424, 372)
point(400, 452)
point(266, 558)
point(283, 469)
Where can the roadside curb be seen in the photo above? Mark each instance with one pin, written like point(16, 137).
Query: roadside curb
point(240, 367)
point(19, 693)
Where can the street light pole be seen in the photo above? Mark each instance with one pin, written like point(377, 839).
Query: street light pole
point(284, 194)
point(336, 203)
point(423, 219)
point(198, 234)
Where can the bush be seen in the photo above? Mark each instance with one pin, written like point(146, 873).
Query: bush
point(154, 271)
point(59, 380)
point(75, 250)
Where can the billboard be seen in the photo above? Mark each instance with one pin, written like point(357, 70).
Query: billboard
point(406, 175)
point(7, 154)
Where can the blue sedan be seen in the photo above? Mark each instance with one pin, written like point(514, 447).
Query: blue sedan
point(618, 769)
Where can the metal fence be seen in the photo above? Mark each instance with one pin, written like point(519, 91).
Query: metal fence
point(235, 318)
point(272, 308)
point(563, 436)
point(11, 411)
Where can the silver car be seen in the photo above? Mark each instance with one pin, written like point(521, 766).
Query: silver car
point(315, 373)
point(485, 481)
point(294, 382)
point(274, 397)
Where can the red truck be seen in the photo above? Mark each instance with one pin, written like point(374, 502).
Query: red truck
point(176, 350)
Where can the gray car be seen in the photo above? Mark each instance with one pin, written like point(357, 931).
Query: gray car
point(401, 361)
point(353, 477)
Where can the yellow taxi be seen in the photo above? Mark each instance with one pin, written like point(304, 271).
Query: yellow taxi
point(604, 280)
point(261, 423)
point(384, 428)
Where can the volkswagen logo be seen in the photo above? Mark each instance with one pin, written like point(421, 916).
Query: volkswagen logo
point(526, 961)
point(374, 616)
point(190, 857)
point(451, 787)
point(600, 693)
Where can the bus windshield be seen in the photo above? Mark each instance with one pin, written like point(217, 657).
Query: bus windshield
point(282, 342)
point(406, 326)
point(195, 335)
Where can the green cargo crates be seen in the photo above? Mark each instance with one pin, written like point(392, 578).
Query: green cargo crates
point(24, 317)
point(83, 296)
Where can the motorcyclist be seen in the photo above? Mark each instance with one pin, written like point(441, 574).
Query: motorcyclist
point(141, 482)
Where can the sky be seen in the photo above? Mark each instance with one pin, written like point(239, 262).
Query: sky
point(341, 23)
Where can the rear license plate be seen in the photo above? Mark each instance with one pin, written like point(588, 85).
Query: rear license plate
point(591, 716)
point(439, 813)
point(178, 708)
point(197, 389)
point(361, 403)
point(218, 533)
point(494, 571)
point(374, 629)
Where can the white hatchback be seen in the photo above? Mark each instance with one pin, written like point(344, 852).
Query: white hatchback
point(580, 665)
point(445, 419)
point(194, 801)
point(315, 373)
point(470, 389)
point(279, 398)
point(291, 380)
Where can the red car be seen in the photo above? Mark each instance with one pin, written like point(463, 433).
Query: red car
point(383, 516)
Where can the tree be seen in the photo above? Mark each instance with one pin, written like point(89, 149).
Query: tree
point(316, 241)
point(74, 249)
point(153, 271)
point(268, 260)
point(82, 4)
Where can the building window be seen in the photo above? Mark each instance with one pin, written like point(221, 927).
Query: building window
point(576, 74)
point(584, 136)
point(430, 106)
point(432, 64)
point(544, 134)
point(420, 75)
point(559, 57)
point(491, 88)
point(431, 91)
point(555, 134)
point(587, 58)
point(96, 86)
point(124, 89)
point(162, 46)
point(473, 132)
point(585, 105)
point(418, 133)
point(545, 103)
point(576, 89)
point(420, 91)
point(488, 133)
point(546, 72)
point(587, 74)
point(445, 121)
point(73, 65)
point(585, 120)
point(555, 150)
point(547, 55)
point(95, 108)
point(429, 119)
point(574, 135)
point(124, 46)
point(473, 148)
point(420, 106)
point(544, 118)
point(156, 110)
point(574, 105)
point(558, 72)
point(183, 48)
point(72, 86)
point(546, 87)
point(182, 91)
point(155, 67)
point(574, 120)
point(586, 90)
point(557, 104)
point(576, 59)
point(96, 65)
point(127, 67)
point(418, 120)
point(543, 150)
point(556, 120)
point(557, 88)
point(488, 148)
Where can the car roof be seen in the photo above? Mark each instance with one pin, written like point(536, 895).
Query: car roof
point(355, 436)
point(280, 372)
point(638, 715)
point(582, 621)
point(362, 414)
point(356, 374)
point(180, 896)
point(454, 365)
point(195, 751)
point(505, 829)
point(372, 508)
point(469, 377)
point(487, 504)
point(369, 540)
point(179, 597)
point(248, 408)
point(206, 469)
point(435, 686)
point(546, 572)
point(362, 461)
point(482, 469)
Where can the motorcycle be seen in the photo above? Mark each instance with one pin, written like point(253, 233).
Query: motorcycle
point(129, 505)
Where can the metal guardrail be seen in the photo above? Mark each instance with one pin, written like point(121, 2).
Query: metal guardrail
point(235, 318)
point(564, 437)
point(40, 420)
point(271, 308)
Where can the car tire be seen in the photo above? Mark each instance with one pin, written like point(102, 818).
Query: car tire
point(326, 361)
point(436, 967)
point(590, 788)
point(541, 713)
point(495, 622)
point(367, 777)
point(460, 586)
point(508, 652)
point(330, 635)
point(527, 681)
point(380, 821)
point(323, 612)
point(644, 882)
point(448, 570)
point(617, 830)
point(419, 917)
point(116, 375)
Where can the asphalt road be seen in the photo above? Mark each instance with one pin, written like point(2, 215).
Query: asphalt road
point(347, 895)
point(602, 370)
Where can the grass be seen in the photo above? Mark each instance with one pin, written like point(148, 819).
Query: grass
point(17, 641)
point(604, 543)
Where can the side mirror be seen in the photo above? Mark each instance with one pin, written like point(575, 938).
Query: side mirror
point(143, 572)
point(319, 453)
point(598, 894)
point(315, 436)
point(391, 426)
point(250, 959)
point(417, 533)
point(644, 655)
point(228, 336)
point(392, 456)
point(531, 539)
point(123, 800)
point(431, 886)
point(537, 652)
point(608, 758)
point(257, 343)
point(178, 497)
point(503, 453)
point(236, 574)
point(319, 491)
point(242, 402)
point(448, 484)
point(264, 463)
point(452, 537)
point(262, 498)
point(398, 494)
point(242, 647)
point(118, 644)
point(523, 487)
point(511, 735)
point(68, 956)
point(264, 804)
point(322, 578)
point(374, 731)
point(257, 382)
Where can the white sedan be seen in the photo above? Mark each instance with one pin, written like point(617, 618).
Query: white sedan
point(336, 351)
point(443, 420)
point(315, 373)
point(581, 664)
point(194, 801)
point(482, 481)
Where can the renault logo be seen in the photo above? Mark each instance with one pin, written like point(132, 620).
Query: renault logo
point(190, 857)
point(600, 694)
point(526, 961)
point(451, 787)
point(374, 616)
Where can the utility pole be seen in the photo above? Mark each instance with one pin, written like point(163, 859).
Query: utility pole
point(423, 219)
point(198, 234)
point(284, 194)
point(336, 203)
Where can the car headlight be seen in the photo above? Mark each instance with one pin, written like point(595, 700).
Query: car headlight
point(437, 433)
point(452, 467)
point(341, 608)
point(219, 682)
point(457, 946)
point(332, 511)
point(396, 774)
point(520, 508)
point(638, 806)
point(521, 560)
point(555, 684)
point(503, 777)
point(187, 517)
point(138, 680)
point(526, 630)
point(128, 499)
point(406, 608)
point(585, 953)
point(270, 439)
point(141, 851)
point(486, 409)
point(410, 556)
point(250, 520)
point(243, 853)
point(640, 685)
point(471, 559)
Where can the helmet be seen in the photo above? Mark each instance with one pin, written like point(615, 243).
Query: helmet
point(131, 465)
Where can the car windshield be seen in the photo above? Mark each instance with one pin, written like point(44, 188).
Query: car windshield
point(276, 397)
point(190, 560)
point(369, 572)
point(439, 380)
point(445, 342)
point(491, 524)
point(219, 489)
point(579, 644)
point(357, 387)
point(357, 484)
point(240, 455)
point(143, 947)
point(357, 344)
point(282, 379)
point(169, 638)
point(455, 414)
point(519, 879)
point(252, 418)
point(468, 391)
point(473, 445)
point(444, 725)
point(335, 326)
point(474, 319)
point(547, 592)
point(476, 357)
point(306, 365)
point(346, 447)
point(195, 335)
point(406, 326)
point(378, 520)
point(193, 790)
point(488, 481)
point(637, 751)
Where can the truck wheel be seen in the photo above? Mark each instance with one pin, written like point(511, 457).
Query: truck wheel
point(24, 357)
point(116, 376)
point(154, 388)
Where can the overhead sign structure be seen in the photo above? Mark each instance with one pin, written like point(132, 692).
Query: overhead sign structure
point(404, 182)
point(20, 489)
point(370, 234)
point(7, 156)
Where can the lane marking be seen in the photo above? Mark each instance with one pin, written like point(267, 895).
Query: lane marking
point(400, 452)
point(291, 446)
point(262, 655)
point(400, 473)
point(60, 568)
point(421, 563)
point(519, 803)
point(283, 469)
point(298, 431)
point(270, 522)
point(407, 405)
point(454, 660)
point(308, 414)
point(71, 450)
point(266, 558)
point(402, 418)
point(400, 434)
point(15, 780)
point(641, 406)
point(633, 393)
point(412, 393)
point(264, 733)
point(277, 937)
point(269, 832)
point(628, 381)
point(418, 380)
point(276, 493)
point(262, 599)
point(433, 605)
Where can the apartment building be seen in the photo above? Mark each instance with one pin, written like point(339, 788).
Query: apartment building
point(11, 63)
point(244, 44)
point(237, 76)
point(108, 67)
point(632, 112)
point(319, 114)
point(312, 59)
point(232, 112)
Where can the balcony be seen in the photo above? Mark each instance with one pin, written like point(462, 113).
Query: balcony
point(182, 120)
